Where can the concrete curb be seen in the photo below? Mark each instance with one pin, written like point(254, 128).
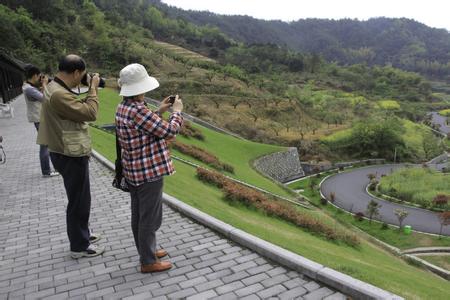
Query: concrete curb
point(341, 282)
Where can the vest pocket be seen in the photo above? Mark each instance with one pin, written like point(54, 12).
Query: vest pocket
point(76, 143)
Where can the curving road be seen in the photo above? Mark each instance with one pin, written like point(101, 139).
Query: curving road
point(436, 118)
point(350, 195)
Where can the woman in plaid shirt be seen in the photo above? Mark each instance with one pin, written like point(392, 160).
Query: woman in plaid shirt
point(142, 136)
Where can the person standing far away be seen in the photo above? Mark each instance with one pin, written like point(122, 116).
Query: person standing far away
point(64, 129)
point(33, 91)
point(142, 136)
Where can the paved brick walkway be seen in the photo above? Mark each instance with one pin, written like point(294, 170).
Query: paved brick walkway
point(34, 253)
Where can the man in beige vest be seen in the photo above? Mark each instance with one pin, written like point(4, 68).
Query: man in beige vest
point(32, 89)
point(64, 129)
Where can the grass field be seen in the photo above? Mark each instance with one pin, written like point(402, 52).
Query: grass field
point(415, 185)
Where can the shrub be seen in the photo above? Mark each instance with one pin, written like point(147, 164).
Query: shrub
point(211, 177)
point(441, 200)
point(384, 226)
point(235, 192)
point(203, 156)
point(359, 216)
point(323, 201)
point(187, 130)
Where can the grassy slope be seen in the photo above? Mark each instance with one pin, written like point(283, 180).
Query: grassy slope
point(367, 263)
point(236, 152)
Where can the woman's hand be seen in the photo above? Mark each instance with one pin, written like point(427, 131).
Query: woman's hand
point(164, 106)
point(177, 105)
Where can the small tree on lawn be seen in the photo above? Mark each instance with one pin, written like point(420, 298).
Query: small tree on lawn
point(401, 216)
point(373, 209)
point(444, 219)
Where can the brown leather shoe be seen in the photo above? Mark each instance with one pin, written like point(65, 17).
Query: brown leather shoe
point(160, 253)
point(158, 266)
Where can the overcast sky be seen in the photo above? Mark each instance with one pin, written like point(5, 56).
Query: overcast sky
point(434, 13)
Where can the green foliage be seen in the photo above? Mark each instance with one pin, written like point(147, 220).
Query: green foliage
point(416, 185)
point(386, 138)
point(403, 43)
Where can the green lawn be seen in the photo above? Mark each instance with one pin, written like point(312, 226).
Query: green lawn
point(416, 185)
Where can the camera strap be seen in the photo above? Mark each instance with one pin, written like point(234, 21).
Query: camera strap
point(62, 83)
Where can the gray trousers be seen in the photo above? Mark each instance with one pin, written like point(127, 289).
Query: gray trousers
point(146, 218)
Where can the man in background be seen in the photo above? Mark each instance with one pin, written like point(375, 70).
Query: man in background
point(32, 89)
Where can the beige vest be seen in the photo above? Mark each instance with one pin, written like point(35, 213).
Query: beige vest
point(61, 134)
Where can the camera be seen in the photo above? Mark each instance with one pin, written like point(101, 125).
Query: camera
point(85, 82)
point(42, 78)
point(172, 99)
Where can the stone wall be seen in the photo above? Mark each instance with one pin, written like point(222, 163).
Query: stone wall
point(281, 166)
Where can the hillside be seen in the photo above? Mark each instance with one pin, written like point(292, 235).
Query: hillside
point(289, 98)
point(404, 43)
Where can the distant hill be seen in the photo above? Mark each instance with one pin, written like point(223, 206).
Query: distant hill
point(404, 43)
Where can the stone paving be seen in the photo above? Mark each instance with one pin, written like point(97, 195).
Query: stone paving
point(34, 252)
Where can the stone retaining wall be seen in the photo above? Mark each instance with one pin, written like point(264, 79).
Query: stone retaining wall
point(281, 166)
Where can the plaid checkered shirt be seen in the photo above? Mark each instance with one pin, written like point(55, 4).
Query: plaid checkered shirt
point(142, 136)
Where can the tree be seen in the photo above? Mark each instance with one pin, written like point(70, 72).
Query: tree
point(254, 115)
point(401, 216)
point(444, 220)
point(373, 209)
point(210, 76)
point(235, 102)
point(216, 102)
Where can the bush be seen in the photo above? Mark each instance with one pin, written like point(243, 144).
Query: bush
point(323, 201)
point(359, 216)
point(235, 192)
point(203, 156)
point(188, 131)
point(384, 226)
point(211, 177)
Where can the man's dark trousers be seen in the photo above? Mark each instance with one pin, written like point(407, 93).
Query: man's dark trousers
point(75, 172)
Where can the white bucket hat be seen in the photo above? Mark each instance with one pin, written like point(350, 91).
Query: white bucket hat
point(134, 80)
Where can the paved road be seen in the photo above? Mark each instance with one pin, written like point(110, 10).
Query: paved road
point(34, 253)
point(440, 120)
point(350, 190)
